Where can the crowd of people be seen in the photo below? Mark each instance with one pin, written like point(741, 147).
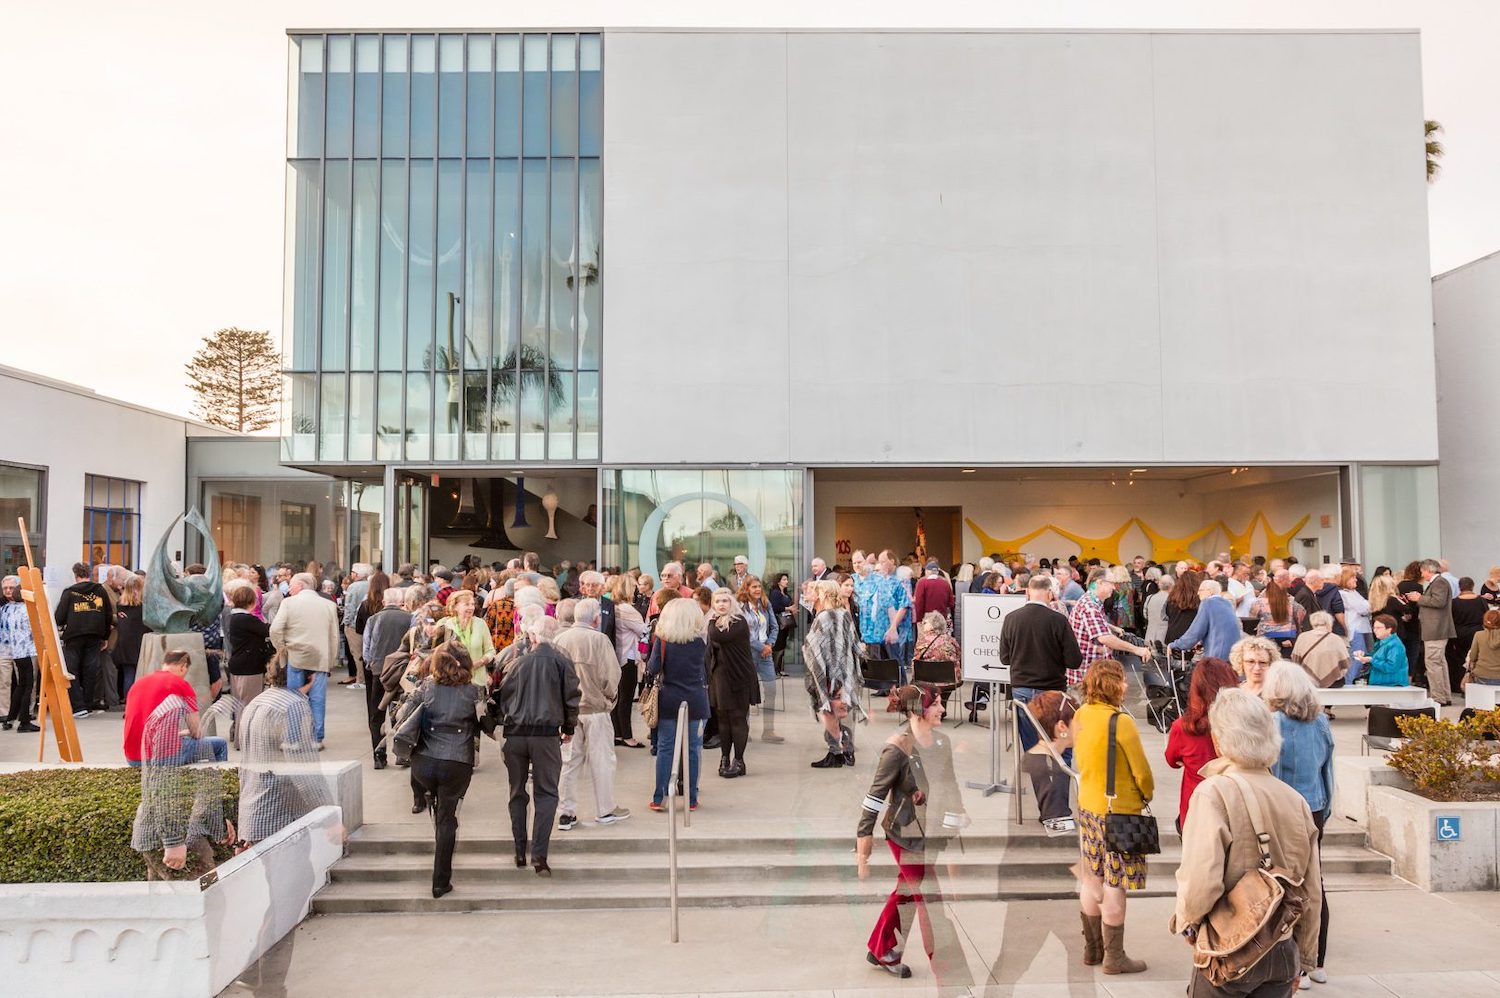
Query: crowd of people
point(541, 658)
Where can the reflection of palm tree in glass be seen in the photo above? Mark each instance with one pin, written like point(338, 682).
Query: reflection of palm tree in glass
point(524, 372)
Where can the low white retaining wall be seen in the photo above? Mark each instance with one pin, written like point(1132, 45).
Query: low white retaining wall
point(1405, 827)
point(165, 940)
point(1353, 776)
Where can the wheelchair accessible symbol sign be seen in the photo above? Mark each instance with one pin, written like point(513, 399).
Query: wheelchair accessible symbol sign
point(1449, 828)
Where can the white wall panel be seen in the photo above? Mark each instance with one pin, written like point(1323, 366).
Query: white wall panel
point(825, 232)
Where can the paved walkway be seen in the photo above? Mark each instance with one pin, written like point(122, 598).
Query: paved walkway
point(1384, 943)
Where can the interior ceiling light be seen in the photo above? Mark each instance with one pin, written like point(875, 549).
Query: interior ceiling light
point(967, 471)
point(1137, 471)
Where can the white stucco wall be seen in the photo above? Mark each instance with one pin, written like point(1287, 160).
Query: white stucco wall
point(1466, 322)
point(74, 433)
point(807, 228)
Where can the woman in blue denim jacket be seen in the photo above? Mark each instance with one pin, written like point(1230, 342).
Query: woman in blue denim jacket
point(1306, 760)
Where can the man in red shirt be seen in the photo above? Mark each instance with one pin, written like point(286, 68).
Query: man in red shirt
point(933, 593)
point(148, 692)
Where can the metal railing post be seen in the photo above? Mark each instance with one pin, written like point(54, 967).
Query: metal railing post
point(679, 756)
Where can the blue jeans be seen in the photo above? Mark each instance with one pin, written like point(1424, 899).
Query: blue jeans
point(317, 696)
point(1484, 682)
point(765, 669)
point(1023, 695)
point(901, 650)
point(1358, 642)
point(189, 751)
point(666, 732)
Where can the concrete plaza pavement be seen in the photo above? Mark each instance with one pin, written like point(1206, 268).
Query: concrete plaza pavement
point(1387, 942)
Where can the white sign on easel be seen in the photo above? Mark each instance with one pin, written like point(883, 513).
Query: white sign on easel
point(983, 616)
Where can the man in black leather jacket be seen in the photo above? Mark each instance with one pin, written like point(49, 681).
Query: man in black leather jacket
point(537, 701)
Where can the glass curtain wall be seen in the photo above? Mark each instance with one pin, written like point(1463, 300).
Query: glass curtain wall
point(111, 521)
point(443, 257)
point(266, 522)
point(1398, 513)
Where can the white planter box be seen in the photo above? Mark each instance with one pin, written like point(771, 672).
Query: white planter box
point(1403, 826)
point(1353, 776)
point(164, 940)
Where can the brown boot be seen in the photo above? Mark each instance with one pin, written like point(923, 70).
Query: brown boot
point(1115, 960)
point(1093, 940)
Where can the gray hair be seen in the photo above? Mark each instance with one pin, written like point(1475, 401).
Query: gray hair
point(395, 596)
point(362, 570)
point(672, 566)
point(1322, 619)
point(306, 580)
point(529, 596)
point(1244, 731)
point(1432, 565)
point(11, 580)
point(590, 578)
point(585, 613)
point(1289, 689)
point(1211, 587)
point(541, 630)
point(935, 622)
point(565, 610)
point(1297, 571)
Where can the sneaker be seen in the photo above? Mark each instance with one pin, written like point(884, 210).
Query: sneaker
point(657, 806)
point(360, 686)
point(567, 822)
point(80, 713)
point(891, 964)
point(1060, 826)
point(1303, 983)
point(318, 746)
point(617, 815)
point(1319, 976)
point(693, 806)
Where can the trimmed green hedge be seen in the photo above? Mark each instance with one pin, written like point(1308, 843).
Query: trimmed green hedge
point(70, 825)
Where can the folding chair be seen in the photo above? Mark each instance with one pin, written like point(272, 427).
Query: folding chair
point(940, 674)
point(881, 675)
point(1382, 732)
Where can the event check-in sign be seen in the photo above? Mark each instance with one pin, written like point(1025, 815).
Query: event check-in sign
point(983, 616)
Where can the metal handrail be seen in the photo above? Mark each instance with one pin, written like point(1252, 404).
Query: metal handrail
point(679, 755)
point(1047, 743)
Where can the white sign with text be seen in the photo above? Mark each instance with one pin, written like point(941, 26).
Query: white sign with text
point(983, 615)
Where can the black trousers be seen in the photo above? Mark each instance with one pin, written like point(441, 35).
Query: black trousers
point(376, 716)
point(444, 782)
point(625, 701)
point(85, 660)
point(734, 730)
point(1274, 977)
point(1320, 820)
point(20, 692)
point(540, 757)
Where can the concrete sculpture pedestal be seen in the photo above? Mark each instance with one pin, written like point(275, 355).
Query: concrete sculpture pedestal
point(154, 648)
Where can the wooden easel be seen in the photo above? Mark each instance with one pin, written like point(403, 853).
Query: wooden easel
point(53, 681)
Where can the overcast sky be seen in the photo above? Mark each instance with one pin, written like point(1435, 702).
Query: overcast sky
point(144, 145)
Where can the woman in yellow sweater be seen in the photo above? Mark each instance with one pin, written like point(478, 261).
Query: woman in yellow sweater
point(1107, 875)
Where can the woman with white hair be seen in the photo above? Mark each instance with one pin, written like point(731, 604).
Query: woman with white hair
point(1324, 654)
point(677, 658)
point(18, 650)
point(1306, 760)
point(732, 682)
point(1221, 842)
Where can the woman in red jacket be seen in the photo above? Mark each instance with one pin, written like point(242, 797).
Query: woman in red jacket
point(1189, 744)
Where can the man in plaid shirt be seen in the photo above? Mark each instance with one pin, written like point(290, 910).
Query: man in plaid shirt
point(1096, 637)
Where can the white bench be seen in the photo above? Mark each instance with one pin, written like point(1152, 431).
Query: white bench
point(1481, 696)
point(1373, 696)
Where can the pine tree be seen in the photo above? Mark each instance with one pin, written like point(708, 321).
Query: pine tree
point(236, 376)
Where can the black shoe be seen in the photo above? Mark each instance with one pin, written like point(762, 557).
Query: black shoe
point(541, 867)
point(5, 725)
point(438, 892)
point(894, 966)
point(27, 728)
point(848, 758)
point(567, 822)
point(726, 768)
point(380, 762)
point(712, 743)
point(520, 857)
point(829, 761)
point(418, 806)
point(739, 768)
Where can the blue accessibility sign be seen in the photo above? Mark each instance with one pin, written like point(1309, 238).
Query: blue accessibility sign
point(1449, 828)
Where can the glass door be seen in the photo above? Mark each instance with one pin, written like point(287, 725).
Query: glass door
point(411, 522)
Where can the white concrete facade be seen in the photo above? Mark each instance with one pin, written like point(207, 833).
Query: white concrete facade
point(1466, 324)
point(72, 432)
point(948, 221)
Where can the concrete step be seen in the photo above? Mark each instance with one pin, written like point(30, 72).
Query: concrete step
point(768, 866)
point(526, 892)
point(639, 835)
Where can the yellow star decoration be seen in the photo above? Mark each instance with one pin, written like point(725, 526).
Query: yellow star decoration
point(1004, 548)
point(1106, 549)
point(1277, 543)
point(1164, 549)
point(1239, 544)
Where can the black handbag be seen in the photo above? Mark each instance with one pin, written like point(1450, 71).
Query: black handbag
point(1135, 834)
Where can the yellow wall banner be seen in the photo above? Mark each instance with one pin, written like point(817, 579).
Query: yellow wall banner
point(1279, 544)
point(1104, 548)
point(1163, 549)
point(1004, 548)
